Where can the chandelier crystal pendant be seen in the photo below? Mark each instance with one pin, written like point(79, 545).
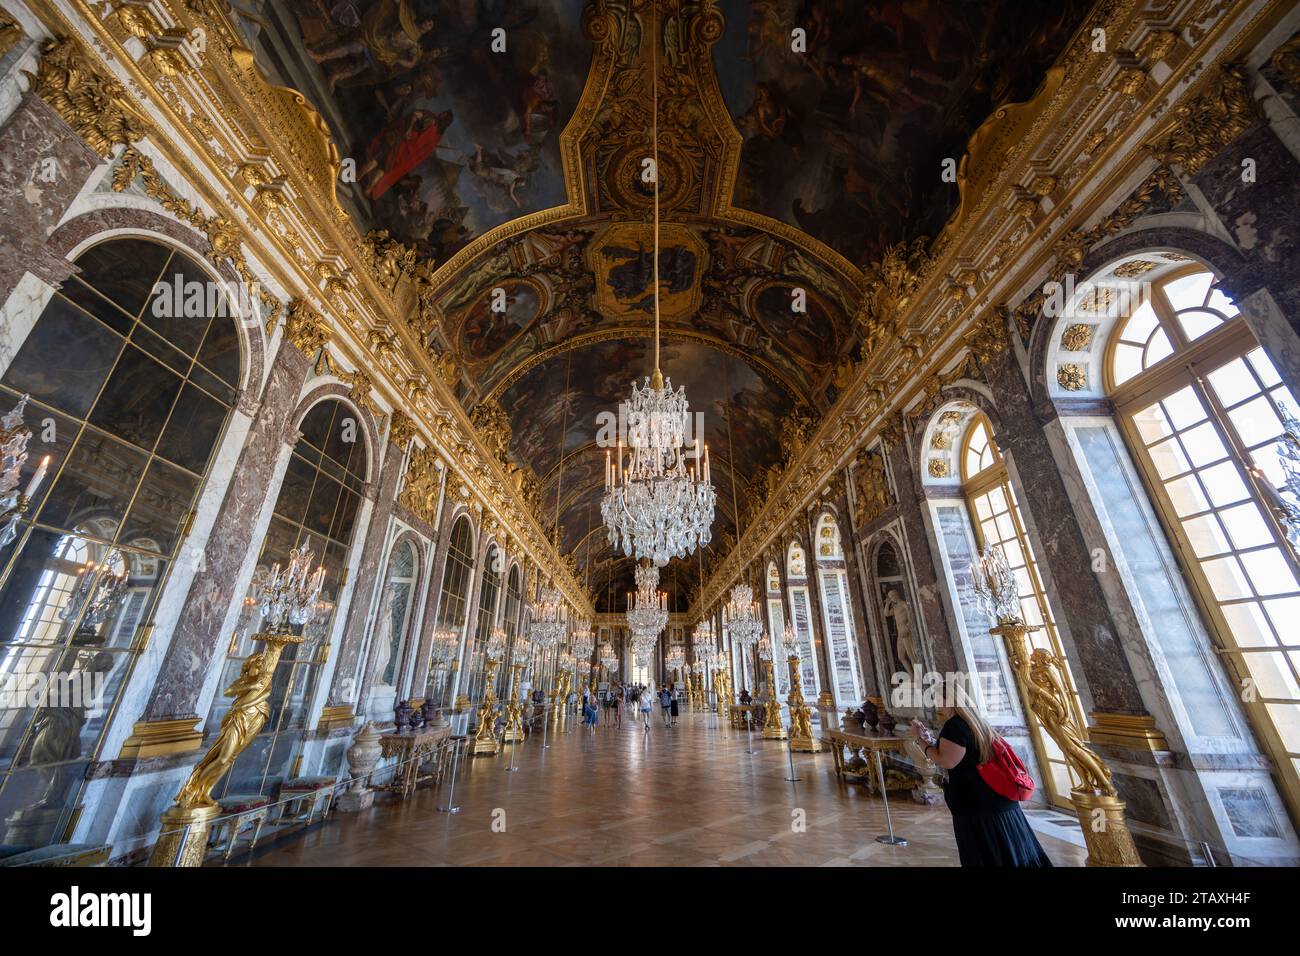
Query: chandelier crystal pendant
point(287, 596)
point(656, 506)
point(647, 608)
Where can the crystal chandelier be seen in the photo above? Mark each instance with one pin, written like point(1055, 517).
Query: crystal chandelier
point(675, 659)
point(647, 609)
point(608, 659)
point(702, 642)
point(445, 645)
point(995, 588)
point(14, 436)
point(740, 616)
point(548, 627)
point(287, 596)
point(98, 590)
point(495, 648)
point(655, 506)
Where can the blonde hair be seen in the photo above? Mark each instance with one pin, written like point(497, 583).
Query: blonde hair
point(964, 706)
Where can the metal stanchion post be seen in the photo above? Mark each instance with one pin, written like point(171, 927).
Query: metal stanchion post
point(889, 837)
point(451, 790)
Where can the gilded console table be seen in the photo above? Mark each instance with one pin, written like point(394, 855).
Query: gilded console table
point(411, 750)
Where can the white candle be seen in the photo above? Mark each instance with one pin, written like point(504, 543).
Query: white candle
point(37, 477)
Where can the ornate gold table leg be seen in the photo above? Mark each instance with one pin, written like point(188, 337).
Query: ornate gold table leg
point(1041, 677)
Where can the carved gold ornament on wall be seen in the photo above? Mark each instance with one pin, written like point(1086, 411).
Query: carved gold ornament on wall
point(1077, 337)
point(1201, 128)
point(305, 329)
point(95, 105)
point(938, 467)
point(421, 486)
point(11, 31)
point(873, 496)
point(1072, 377)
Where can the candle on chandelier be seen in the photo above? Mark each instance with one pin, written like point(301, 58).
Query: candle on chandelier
point(706, 463)
point(37, 477)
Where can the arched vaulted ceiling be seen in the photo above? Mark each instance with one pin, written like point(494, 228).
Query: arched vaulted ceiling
point(783, 173)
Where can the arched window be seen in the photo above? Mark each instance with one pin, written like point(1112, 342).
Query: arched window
point(510, 612)
point(316, 507)
point(995, 515)
point(837, 620)
point(486, 620)
point(1202, 409)
point(131, 388)
point(796, 571)
point(391, 631)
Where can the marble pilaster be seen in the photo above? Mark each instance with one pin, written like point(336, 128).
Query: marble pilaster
point(43, 166)
point(198, 634)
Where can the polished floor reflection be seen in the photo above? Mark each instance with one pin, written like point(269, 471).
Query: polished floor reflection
point(687, 796)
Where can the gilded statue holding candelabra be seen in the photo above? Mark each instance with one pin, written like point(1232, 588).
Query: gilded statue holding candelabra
point(772, 726)
point(1043, 686)
point(485, 738)
point(801, 735)
point(286, 598)
point(514, 725)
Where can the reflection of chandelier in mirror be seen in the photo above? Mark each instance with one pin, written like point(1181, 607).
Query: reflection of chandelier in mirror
point(608, 659)
point(994, 586)
point(98, 589)
point(655, 506)
point(14, 436)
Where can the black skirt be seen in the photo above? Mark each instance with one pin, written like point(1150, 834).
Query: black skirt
point(673, 708)
point(997, 839)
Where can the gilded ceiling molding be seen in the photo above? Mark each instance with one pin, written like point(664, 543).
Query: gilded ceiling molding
point(92, 103)
point(165, 47)
point(1223, 111)
point(11, 32)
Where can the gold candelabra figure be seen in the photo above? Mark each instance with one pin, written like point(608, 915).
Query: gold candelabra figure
point(485, 738)
point(801, 735)
point(1041, 678)
point(514, 728)
point(722, 687)
point(772, 727)
point(288, 598)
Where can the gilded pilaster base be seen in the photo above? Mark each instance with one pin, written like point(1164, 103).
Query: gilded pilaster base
point(1134, 731)
point(157, 738)
point(337, 716)
point(184, 837)
point(1105, 830)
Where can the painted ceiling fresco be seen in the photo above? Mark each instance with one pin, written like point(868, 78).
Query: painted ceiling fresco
point(836, 153)
point(448, 137)
point(846, 140)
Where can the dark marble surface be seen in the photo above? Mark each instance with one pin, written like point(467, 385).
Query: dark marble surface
point(34, 140)
point(198, 634)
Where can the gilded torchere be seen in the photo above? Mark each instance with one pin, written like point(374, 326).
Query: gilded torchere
point(485, 738)
point(514, 729)
point(722, 687)
point(772, 727)
point(801, 735)
point(286, 598)
point(1041, 677)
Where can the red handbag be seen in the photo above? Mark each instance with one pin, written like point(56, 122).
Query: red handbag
point(1005, 774)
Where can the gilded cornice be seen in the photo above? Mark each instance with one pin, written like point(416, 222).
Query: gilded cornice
point(233, 138)
point(1043, 189)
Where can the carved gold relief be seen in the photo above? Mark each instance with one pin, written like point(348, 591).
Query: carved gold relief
point(1077, 337)
point(938, 467)
point(11, 31)
point(873, 496)
point(402, 429)
point(305, 329)
point(1072, 377)
point(1134, 268)
point(94, 105)
point(1210, 122)
point(423, 480)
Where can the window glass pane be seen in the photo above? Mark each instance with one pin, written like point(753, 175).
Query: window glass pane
point(1247, 526)
point(1273, 677)
point(1263, 368)
point(1169, 459)
point(1221, 303)
point(1158, 349)
point(65, 359)
point(1224, 485)
point(1140, 325)
point(1203, 445)
point(99, 479)
point(1284, 613)
point(1250, 625)
point(1186, 496)
point(1269, 572)
point(1286, 717)
point(1206, 536)
point(1127, 363)
point(1256, 422)
point(1233, 382)
point(137, 399)
point(1188, 291)
point(1196, 322)
point(1184, 408)
point(1152, 424)
point(1226, 579)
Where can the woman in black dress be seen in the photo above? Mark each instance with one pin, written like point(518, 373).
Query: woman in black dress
point(991, 830)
